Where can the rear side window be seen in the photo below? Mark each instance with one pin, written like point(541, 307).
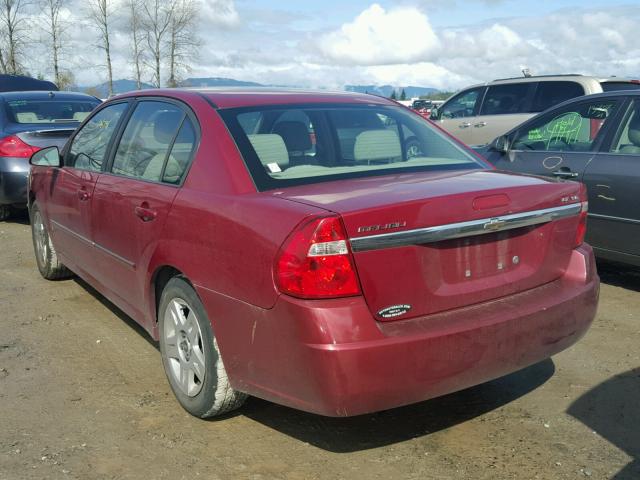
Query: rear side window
point(614, 86)
point(549, 94)
point(89, 146)
point(506, 99)
point(628, 137)
point(305, 144)
point(146, 149)
point(572, 128)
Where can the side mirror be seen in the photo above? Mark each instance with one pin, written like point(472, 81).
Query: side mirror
point(47, 157)
point(500, 144)
point(434, 114)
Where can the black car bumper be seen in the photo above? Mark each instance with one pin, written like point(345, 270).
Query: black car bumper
point(14, 173)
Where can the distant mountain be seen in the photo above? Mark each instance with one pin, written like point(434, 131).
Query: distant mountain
point(387, 90)
point(217, 82)
point(119, 86)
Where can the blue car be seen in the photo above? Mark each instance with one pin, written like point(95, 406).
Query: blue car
point(30, 121)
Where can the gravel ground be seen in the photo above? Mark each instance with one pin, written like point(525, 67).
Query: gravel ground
point(83, 396)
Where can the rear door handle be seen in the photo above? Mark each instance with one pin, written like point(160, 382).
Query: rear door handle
point(83, 195)
point(464, 125)
point(480, 124)
point(145, 213)
point(565, 174)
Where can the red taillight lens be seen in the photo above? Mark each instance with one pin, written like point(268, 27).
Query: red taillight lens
point(12, 146)
point(582, 225)
point(315, 261)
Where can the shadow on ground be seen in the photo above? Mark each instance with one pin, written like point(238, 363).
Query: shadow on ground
point(619, 275)
point(342, 435)
point(612, 410)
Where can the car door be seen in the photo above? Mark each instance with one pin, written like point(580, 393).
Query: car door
point(503, 107)
point(613, 183)
point(457, 115)
point(560, 142)
point(71, 193)
point(133, 197)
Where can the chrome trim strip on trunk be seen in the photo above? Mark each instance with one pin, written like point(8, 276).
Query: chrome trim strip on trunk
point(463, 229)
point(128, 263)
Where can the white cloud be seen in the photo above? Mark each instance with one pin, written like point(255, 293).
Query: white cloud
point(379, 37)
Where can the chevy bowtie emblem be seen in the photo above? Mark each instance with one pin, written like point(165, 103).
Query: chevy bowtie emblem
point(494, 224)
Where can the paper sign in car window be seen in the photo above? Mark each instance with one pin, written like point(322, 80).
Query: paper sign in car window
point(274, 167)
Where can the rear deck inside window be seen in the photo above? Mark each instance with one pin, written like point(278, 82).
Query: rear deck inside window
point(292, 145)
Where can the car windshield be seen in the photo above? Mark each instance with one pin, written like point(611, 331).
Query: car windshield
point(292, 145)
point(49, 110)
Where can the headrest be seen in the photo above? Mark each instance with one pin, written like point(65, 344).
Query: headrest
point(80, 116)
point(165, 125)
point(270, 149)
point(634, 129)
point(27, 117)
point(295, 136)
point(377, 145)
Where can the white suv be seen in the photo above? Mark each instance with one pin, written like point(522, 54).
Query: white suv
point(480, 113)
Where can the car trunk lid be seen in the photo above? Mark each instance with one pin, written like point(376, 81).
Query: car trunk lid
point(427, 243)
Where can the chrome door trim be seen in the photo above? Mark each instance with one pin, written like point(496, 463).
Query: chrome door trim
point(128, 263)
point(464, 229)
point(615, 219)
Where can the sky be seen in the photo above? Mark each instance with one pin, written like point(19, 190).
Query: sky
point(446, 44)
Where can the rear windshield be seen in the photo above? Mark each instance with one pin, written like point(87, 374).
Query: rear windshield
point(49, 111)
point(301, 144)
point(613, 86)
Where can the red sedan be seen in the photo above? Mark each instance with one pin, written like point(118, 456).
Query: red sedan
point(289, 245)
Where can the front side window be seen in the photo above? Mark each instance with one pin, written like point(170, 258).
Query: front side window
point(572, 128)
point(339, 141)
point(628, 138)
point(506, 99)
point(89, 147)
point(463, 105)
point(147, 140)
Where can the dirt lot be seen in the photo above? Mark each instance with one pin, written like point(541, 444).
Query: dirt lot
point(83, 396)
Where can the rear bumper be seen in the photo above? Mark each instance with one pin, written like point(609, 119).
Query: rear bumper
point(14, 173)
point(333, 358)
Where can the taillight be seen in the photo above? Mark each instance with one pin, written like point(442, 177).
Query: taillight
point(316, 262)
point(12, 146)
point(582, 224)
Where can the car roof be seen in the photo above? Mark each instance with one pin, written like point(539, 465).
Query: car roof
point(234, 97)
point(44, 95)
point(553, 78)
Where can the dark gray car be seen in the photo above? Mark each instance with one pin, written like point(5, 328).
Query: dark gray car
point(595, 140)
point(30, 121)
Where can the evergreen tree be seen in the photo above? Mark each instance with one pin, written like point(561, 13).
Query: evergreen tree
point(403, 95)
point(393, 95)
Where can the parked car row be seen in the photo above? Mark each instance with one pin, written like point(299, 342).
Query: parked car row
point(478, 114)
point(333, 252)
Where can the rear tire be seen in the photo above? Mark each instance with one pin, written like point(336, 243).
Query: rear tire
point(49, 265)
point(190, 354)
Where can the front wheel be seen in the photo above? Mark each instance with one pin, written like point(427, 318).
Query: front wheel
point(190, 354)
point(48, 264)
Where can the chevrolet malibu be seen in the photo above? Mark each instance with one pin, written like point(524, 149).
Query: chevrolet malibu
point(288, 245)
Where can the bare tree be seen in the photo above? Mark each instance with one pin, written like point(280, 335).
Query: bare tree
point(135, 8)
point(156, 21)
point(54, 27)
point(101, 16)
point(13, 32)
point(183, 41)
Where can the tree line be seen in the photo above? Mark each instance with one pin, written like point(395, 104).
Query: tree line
point(162, 36)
